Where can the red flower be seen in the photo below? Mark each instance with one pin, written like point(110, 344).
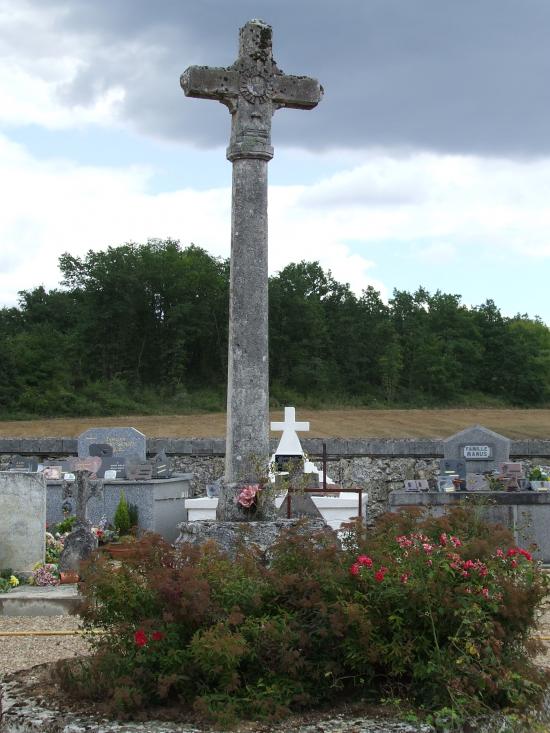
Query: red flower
point(379, 574)
point(354, 569)
point(140, 637)
point(526, 555)
point(511, 552)
point(364, 560)
point(157, 636)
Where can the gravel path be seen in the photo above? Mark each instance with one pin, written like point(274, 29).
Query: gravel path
point(21, 652)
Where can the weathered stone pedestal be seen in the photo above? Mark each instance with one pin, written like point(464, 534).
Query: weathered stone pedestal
point(229, 535)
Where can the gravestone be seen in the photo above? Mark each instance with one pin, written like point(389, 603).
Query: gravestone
point(22, 520)
point(112, 467)
point(162, 468)
point(253, 88)
point(81, 542)
point(481, 449)
point(123, 441)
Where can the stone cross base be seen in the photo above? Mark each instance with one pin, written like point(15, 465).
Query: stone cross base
point(229, 535)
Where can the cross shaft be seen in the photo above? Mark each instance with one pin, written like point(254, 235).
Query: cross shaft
point(252, 88)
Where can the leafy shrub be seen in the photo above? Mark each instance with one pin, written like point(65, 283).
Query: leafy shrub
point(64, 526)
point(133, 515)
point(412, 609)
point(121, 520)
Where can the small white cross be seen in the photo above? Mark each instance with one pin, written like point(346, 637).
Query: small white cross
point(289, 445)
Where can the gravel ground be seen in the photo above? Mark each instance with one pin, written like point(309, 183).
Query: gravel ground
point(21, 652)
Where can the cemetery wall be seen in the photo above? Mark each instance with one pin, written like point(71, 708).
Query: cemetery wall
point(379, 465)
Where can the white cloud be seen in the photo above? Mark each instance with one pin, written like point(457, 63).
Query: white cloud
point(52, 206)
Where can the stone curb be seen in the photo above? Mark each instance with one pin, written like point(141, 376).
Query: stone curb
point(21, 714)
point(336, 447)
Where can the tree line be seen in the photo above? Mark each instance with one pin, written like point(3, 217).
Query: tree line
point(143, 327)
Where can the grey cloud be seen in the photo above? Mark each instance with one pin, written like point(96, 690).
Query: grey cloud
point(467, 76)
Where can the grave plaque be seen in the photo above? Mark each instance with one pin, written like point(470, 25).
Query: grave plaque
point(139, 471)
point(91, 464)
point(162, 467)
point(22, 463)
point(482, 450)
point(100, 449)
point(124, 441)
point(448, 466)
point(53, 473)
point(476, 482)
point(110, 464)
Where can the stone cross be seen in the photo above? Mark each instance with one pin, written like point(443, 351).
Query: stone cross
point(82, 490)
point(289, 445)
point(252, 88)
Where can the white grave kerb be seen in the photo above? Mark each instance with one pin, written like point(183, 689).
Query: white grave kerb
point(289, 444)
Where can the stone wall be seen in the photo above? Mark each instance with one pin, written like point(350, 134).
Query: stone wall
point(379, 466)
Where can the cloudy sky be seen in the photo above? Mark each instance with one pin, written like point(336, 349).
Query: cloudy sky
point(427, 162)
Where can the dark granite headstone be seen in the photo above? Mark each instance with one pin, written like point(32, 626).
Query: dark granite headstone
point(112, 463)
point(124, 441)
point(452, 465)
point(162, 468)
point(23, 463)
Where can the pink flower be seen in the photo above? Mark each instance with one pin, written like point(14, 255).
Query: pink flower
point(455, 542)
point(500, 553)
point(514, 563)
point(468, 564)
point(405, 578)
point(140, 637)
point(485, 592)
point(354, 569)
point(427, 548)
point(443, 539)
point(365, 560)
point(247, 495)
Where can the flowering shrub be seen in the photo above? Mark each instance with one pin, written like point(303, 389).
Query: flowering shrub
point(54, 548)
point(439, 612)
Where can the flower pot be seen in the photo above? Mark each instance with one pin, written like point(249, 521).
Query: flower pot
point(124, 550)
point(69, 576)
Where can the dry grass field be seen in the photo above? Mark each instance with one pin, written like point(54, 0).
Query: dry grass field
point(324, 423)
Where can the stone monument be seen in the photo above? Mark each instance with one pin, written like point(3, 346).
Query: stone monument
point(22, 520)
point(253, 88)
point(81, 542)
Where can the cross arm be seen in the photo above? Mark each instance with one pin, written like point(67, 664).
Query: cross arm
point(297, 92)
point(210, 82)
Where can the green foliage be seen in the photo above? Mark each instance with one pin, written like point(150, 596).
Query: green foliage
point(122, 521)
point(64, 526)
point(143, 327)
point(133, 515)
point(407, 608)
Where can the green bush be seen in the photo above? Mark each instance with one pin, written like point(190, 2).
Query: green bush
point(133, 515)
point(438, 612)
point(121, 520)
